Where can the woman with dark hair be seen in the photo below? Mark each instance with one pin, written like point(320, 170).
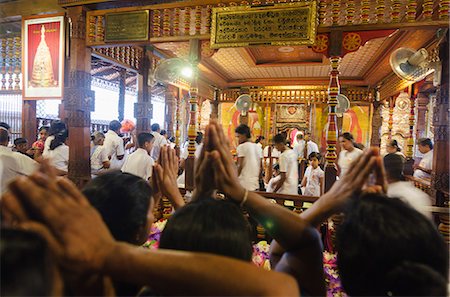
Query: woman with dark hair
point(55, 128)
point(211, 226)
point(38, 146)
point(349, 153)
point(58, 152)
point(392, 147)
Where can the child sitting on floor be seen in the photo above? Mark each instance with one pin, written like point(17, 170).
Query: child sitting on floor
point(275, 178)
point(313, 178)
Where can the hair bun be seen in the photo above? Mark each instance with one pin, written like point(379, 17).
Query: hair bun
point(415, 279)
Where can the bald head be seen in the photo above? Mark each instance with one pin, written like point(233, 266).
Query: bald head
point(4, 136)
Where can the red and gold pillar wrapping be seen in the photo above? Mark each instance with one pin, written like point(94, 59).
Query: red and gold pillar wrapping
point(410, 146)
point(333, 92)
point(391, 116)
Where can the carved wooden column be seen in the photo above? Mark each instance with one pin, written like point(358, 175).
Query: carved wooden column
point(377, 121)
point(78, 99)
point(193, 103)
point(143, 106)
point(29, 124)
point(440, 174)
point(331, 156)
point(391, 116)
point(215, 105)
point(170, 110)
point(409, 153)
point(122, 86)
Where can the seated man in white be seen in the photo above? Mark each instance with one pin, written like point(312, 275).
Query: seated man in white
point(114, 146)
point(12, 164)
point(404, 190)
point(423, 170)
point(139, 162)
point(288, 183)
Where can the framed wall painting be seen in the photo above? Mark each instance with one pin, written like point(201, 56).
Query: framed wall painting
point(43, 56)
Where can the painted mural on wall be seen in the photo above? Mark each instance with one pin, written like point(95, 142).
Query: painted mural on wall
point(358, 121)
point(229, 117)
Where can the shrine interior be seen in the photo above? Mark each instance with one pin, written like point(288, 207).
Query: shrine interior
point(373, 73)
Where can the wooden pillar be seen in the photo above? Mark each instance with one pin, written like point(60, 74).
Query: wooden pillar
point(331, 156)
point(391, 116)
point(143, 107)
point(422, 101)
point(377, 121)
point(178, 119)
point(29, 124)
point(122, 86)
point(193, 103)
point(215, 105)
point(78, 99)
point(440, 174)
point(409, 153)
point(170, 110)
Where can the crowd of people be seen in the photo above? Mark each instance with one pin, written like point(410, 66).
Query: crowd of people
point(59, 240)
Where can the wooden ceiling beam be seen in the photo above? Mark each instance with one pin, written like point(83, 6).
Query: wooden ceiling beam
point(322, 81)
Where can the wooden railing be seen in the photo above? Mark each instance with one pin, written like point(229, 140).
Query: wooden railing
point(421, 184)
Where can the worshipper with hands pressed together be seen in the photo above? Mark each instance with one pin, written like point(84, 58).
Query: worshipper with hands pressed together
point(85, 243)
point(348, 154)
point(139, 162)
point(424, 169)
point(249, 159)
point(114, 146)
point(288, 183)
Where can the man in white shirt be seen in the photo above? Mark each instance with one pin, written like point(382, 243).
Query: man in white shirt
point(404, 190)
point(288, 183)
point(423, 170)
point(139, 162)
point(299, 147)
point(249, 159)
point(114, 146)
point(12, 164)
point(160, 141)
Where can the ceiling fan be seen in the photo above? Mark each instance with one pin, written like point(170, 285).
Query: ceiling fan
point(413, 65)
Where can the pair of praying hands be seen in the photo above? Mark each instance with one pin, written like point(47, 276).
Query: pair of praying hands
point(215, 169)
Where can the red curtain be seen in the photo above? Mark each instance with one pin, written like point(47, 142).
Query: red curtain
point(52, 34)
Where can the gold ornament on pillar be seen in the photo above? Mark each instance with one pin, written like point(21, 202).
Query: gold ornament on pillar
point(42, 75)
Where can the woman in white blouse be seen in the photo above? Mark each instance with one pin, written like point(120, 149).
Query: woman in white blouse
point(348, 154)
point(58, 152)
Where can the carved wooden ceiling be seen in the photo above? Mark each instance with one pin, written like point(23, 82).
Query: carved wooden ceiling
point(299, 65)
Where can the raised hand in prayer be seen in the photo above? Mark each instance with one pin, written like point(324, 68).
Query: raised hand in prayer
point(204, 173)
point(77, 234)
point(166, 173)
point(73, 228)
point(352, 184)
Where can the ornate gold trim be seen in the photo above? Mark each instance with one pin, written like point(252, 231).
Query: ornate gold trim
point(244, 11)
